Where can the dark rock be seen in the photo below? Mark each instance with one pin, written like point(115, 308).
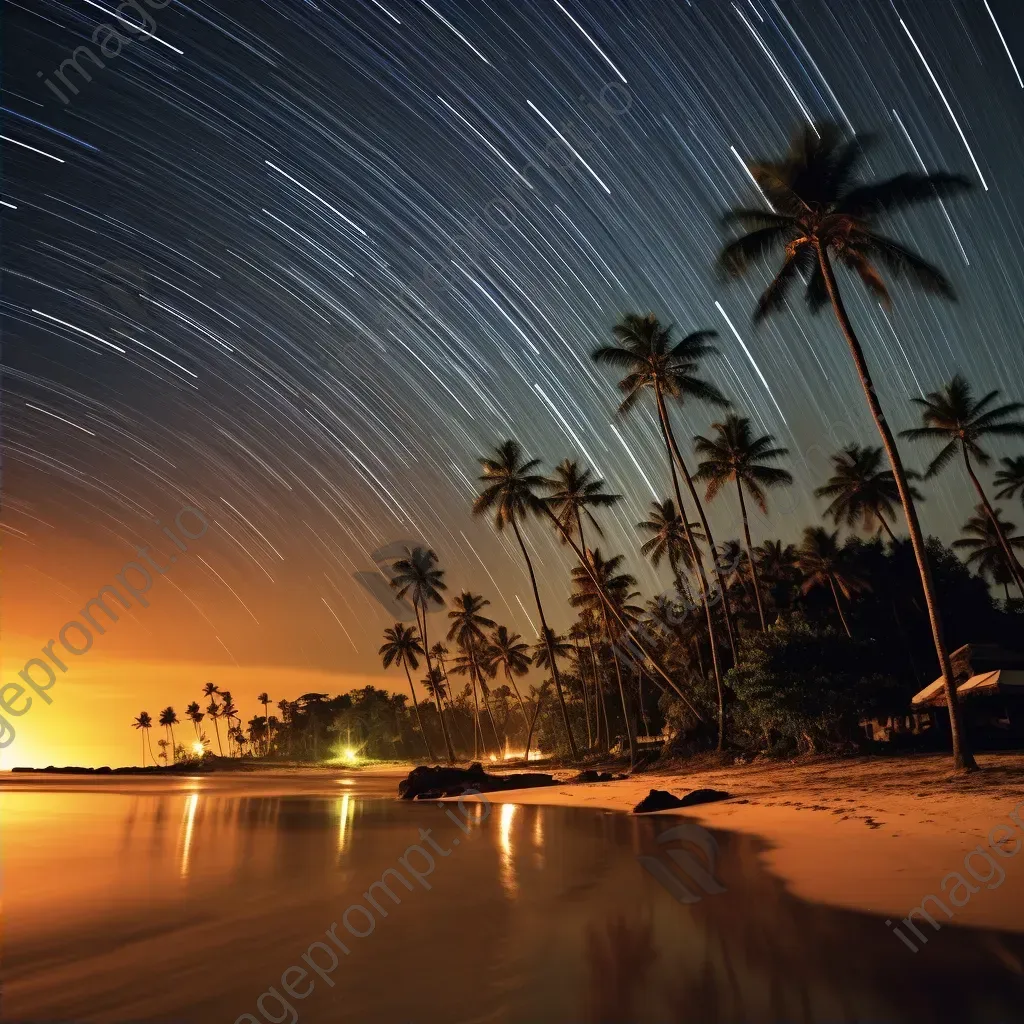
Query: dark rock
point(592, 775)
point(661, 800)
point(426, 783)
point(704, 796)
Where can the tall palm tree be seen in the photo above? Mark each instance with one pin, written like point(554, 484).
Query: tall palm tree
point(668, 540)
point(264, 699)
point(439, 652)
point(818, 209)
point(144, 723)
point(573, 493)
point(1010, 479)
point(984, 541)
point(467, 629)
point(402, 647)
point(822, 561)
point(169, 719)
point(213, 710)
point(510, 493)
point(228, 711)
point(418, 576)
point(652, 362)
point(195, 716)
point(597, 585)
point(952, 415)
point(862, 492)
point(507, 651)
point(735, 454)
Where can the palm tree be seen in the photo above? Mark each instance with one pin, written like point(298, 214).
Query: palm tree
point(169, 719)
point(510, 493)
point(402, 647)
point(817, 209)
point(861, 491)
point(985, 546)
point(668, 540)
point(196, 716)
point(264, 699)
point(145, 723)
point(951, 414)
point(467, 629)
point(418, 576)
point(735, 454)
point(228, 711)
point(439, 652)
point(653, 363)
point(213, 710)
point(573, 493)
point(822, 561)
point(1010, 479)
point(507, 650)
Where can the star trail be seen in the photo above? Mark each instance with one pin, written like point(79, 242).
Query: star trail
point(298, 264)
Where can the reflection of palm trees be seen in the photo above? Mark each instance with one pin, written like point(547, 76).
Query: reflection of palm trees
point(620, 961)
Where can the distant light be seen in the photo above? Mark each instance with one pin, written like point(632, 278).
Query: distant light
point(350, 755)
point(198, 748)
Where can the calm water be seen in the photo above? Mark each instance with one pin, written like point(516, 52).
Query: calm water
point(185, 900)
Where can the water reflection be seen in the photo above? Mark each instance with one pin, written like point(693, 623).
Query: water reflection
point(508, 869)
point(190, 816)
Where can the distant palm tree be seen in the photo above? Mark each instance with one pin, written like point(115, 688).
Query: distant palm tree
point(735, 454)
point(507, 650)
point(439, 652)
point(467, 629)
point(986, 548)
point(434, 683)
point(196, 716)
point(951, 414)
point(822, 561)
point(144, 722)
point(257, 728)
point(653, 362)
point(163, 744)
point(169, 719)
point(213, 710)
point(402, 647)
point(1010, 479)
point(574, 492)
point(510, 493)
point(817, 209)
point(228, 711)
point(862, 492)
point(668, 540)
point(418, 576)
point(264, 699)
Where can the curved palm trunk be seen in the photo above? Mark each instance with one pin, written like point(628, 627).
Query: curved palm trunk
point(599, 698)
point(536, 714)
point(416, 708)
point(422, 626)
point(839, 607)
point(886, 527)
point(547, 639)
point(586, 696)
point(698, 561)
point(1011, 559)
point(149, 743)
point(171, 727)
point(216, 726)
point(519, 696)
point(487, 703)
point(143, 738)
point(448, 693)
point(962, 756)
point(622, 689)
point(750, 557)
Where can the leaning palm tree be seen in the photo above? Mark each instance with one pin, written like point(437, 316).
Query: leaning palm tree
point(467, 629)
point(510, 493)
point(862, 492)
point(952, 415)
point(169, 719)
point(816, 211)
point(823, 563)
point(984, 541)
point(668, 370)
point(573, 493)
point(1010, 479)
point(264, 699)
point(144, 723)
point(213, 710)
point(507, 651)
point(734, 454)
point(228, 711)
point(402, 647)
point(418, 576)
point(667, 539)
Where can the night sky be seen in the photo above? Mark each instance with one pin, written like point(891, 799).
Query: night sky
point(219, 295)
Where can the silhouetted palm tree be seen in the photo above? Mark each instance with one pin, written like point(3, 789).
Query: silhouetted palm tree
point(467, 629)
point(822, 561)
point(735, 454)
point(264, 699)
point(418, 576)
point(862, 492)
point(508, 651)
point(195, 716)
point(985, 544)
point(511, 486)
point(213, 710)
point(817, 209)
point(169, 719)
point(574, 492)
point(653, 362)
point(144, 722)
point(951, 414)
point(402, 647)
point(228, 711)
point(668, 540)
point(1010, 479)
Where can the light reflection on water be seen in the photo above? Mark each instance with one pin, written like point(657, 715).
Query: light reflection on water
point(153, 899)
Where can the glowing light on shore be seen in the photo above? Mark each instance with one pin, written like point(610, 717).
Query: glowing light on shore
point(198, 748)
